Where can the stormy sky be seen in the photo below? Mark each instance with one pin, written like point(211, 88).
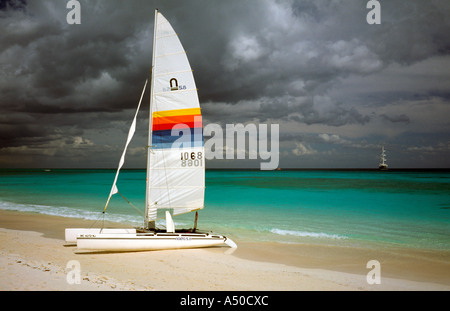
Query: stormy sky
point(339, 87)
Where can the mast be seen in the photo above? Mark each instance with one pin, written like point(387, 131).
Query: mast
point(383, 165)
point(150, 223)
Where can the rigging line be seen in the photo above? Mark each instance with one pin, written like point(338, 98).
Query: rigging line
point(102, 214)
point(103, 223)
point(140, 212)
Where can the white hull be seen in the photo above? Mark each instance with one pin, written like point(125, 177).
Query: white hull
point(71, 234)
point(383, 167)
point(147, 241)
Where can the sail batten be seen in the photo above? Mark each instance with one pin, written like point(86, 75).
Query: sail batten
point(170, 54)
point(181, 91)
point(173, 72)
point(176, 162)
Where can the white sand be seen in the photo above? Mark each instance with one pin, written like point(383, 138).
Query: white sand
point(31, 261)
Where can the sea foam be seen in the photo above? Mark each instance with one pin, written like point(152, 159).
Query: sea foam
point(62, 211)
point(71, 212)
point(48, 210)
point(307, 234)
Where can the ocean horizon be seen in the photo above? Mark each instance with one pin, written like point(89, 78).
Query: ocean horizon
point(348, 207)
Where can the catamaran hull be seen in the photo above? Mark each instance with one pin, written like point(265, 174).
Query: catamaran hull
point(146, 242)
point(71, 234)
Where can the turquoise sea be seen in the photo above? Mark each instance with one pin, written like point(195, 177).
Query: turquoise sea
point(336, 207)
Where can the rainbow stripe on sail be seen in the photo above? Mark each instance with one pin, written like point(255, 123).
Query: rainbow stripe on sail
point(181, 128)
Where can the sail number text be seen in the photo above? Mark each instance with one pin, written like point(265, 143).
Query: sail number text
point(177, 88)
point(189, 159)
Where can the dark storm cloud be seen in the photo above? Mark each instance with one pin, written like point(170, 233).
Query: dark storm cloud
point(299, 47)
point(48, 62)
point(254, 61)
point(59, 76)
point(246, 52)
point(396, 118)
point(7, 5)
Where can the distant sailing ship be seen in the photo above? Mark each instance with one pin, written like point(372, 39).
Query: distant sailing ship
point(383, 165)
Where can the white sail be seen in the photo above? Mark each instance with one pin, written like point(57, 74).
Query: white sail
point(114, 189)
point(176, 178)
point(383, 165)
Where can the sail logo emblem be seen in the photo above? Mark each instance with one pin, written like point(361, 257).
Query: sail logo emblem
point(174, 86)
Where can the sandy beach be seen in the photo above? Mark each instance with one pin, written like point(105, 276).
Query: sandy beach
point(33, 257)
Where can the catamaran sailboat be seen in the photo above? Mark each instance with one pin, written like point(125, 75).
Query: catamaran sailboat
point(383, 165)
point(175, 178)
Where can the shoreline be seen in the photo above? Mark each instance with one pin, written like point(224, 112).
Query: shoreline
point(32, 250)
